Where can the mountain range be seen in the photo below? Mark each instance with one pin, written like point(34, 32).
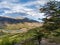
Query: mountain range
point(18, 23)
point(14, 20)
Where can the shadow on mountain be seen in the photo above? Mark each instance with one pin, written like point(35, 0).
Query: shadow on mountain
point(14, 21)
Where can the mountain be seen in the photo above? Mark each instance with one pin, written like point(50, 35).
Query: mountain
point(14, 21)
point(17, 23)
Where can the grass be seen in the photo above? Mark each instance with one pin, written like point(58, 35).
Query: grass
point(11, 39)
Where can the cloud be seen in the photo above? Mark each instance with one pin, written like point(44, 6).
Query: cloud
point(15, 9)
point(38, 2)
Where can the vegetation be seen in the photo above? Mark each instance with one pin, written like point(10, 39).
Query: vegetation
point(19, 26)
point(52, 20)
point(12, 39)
point(50, 28)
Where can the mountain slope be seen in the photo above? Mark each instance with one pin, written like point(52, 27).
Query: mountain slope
point(18, 24)
point(12, 20)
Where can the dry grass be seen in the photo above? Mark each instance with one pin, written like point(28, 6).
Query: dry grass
point(22, 26)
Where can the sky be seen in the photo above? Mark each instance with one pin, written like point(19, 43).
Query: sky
point(25, 8)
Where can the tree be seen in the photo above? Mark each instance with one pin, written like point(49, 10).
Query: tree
point(38, 34)
point(52, 13)
point(52, 20)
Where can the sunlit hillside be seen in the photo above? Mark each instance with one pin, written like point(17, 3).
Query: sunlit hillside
point(8, 23)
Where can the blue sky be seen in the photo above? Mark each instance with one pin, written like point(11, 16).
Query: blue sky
point(25, 8)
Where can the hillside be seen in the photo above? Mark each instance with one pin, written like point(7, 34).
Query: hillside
point(18, 24)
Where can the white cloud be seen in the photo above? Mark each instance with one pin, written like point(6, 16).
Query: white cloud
point(22, 7)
